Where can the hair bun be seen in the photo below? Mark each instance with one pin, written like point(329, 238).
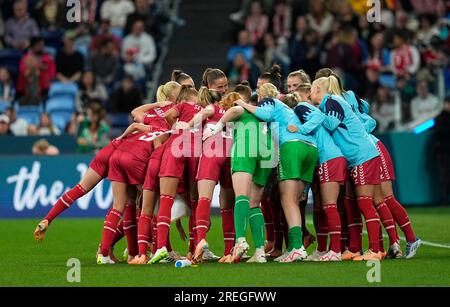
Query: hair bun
point(276, 70)
point(176, 73)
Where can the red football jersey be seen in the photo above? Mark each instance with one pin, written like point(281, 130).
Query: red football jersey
point(155, 118)
point(187, 110)
point(140, 144)
point(218, 113)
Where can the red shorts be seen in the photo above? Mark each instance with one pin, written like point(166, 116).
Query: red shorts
point(175, 159)
point(151, 182)
point(215, 165)
point(334, 170)
point(125, 167)
point(100, 163)
point(367, 173)
point(217, 169)
point(387, 167)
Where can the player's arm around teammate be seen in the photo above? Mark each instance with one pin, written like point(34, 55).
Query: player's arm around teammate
point(331, 173)
point(389, 209)
point(249, 176)
point(360, 152)
point(298, 156)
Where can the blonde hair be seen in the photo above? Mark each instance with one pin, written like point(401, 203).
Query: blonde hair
point(229, 99)
point(328, 72)
point(168, 91)
point(186, 92)
point(207, 96)
point(291, 100)
point(304, 88)
point(330, 85)
point(301, 74)
point(267, 90)
point(335, 86)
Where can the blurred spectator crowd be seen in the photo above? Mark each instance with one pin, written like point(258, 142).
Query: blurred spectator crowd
point(60, 77)
point(404, 55)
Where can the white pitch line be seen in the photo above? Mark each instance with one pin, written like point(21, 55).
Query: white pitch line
point(404, 239)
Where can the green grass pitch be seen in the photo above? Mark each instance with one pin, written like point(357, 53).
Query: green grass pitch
point(27, 263)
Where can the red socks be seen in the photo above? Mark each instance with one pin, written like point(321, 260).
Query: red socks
point(144, 233)
point(163, 221)
point(228, 229)
point(381, 240)
point(109, 230)
point(65, 201)
point(365, 204)
point(321, 229)
point(344, 225)
point(334, 226)
point(154, 238)
point(268, 219)
point(202, 217)
point(130, 228)
point(119, 233)
point(388, 222)
point(192, 227)
point(400, 217)
point(284, 228)
point(276, 219)
point(354, 224)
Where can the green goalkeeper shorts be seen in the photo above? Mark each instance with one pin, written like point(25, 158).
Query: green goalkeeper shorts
point(260, 166)
point(297, 161)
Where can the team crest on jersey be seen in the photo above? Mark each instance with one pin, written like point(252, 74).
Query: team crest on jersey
point(292, 128)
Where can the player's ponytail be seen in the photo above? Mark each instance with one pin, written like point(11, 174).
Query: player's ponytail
point(186, 93)
point(179, 76)
point(291, 100)
point(206, 96)
point(334, 86)
point(168, 91)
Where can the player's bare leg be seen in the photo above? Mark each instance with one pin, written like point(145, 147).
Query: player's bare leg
point(87, 183)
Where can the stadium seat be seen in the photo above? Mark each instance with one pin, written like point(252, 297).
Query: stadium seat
point(29, 113)
point(4, 105)
point(50, 50)
point(60, 119)
point(11, 59)
point(59, 89)
point(119, 120)
point(60, 104)
point(53, 38)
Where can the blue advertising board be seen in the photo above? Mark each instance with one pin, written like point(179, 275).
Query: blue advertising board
point(30, 185)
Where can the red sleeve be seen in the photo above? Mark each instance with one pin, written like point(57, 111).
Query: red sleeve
point(179, 108)
point(147, 119)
